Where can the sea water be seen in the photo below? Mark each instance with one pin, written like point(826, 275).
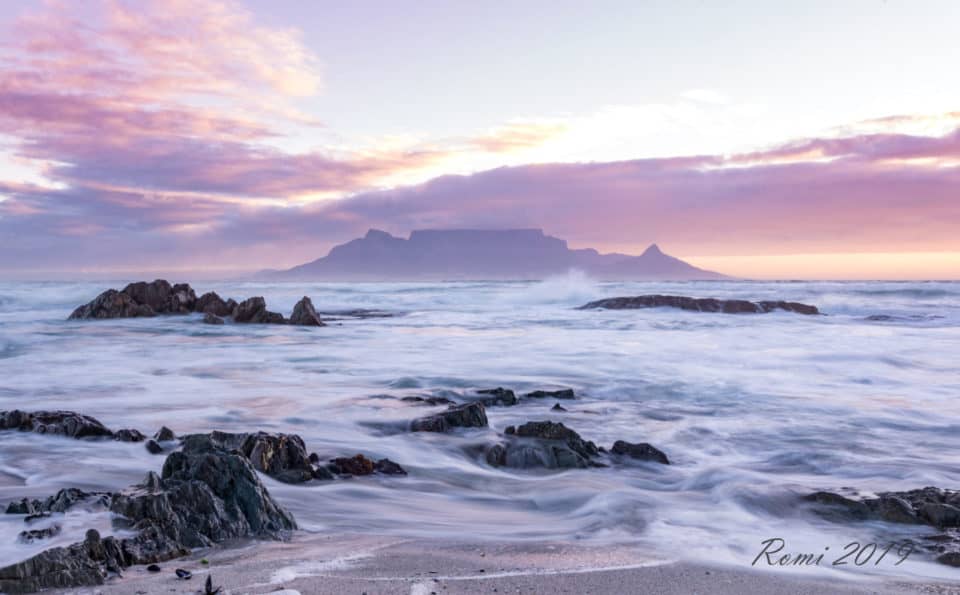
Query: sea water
point(752, 410)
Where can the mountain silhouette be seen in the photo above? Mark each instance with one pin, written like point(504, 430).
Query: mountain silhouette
point(475, 254)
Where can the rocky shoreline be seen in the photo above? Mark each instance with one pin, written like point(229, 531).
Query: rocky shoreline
point(209, 490)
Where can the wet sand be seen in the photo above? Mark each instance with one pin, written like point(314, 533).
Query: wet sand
point(361, 564)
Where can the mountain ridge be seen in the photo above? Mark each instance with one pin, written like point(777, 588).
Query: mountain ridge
point(482, 254)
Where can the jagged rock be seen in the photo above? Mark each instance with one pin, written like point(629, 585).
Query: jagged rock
point(62, 501)
point(82, 564)
point(566, 393)
point(254, 310)
point(153, 447)
point(31, 535)
point(212, 303)
point(699, 304)
point(469, 415)
point(164, 434)
point(304, 314)
point(927, 506)
point(211, 318)
point(111, 304)
point(281, 456)
point(642, 451)
point(163, 298)
point(65, 423)
point(542, 444)
point(498, 396)
point(129, 435)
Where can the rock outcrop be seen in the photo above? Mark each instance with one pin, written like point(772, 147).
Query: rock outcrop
point(281, 456)
point(361, 465)
point(546, 444)
point(111, 304)
point(254, 310)
point(205, 495)
point(304, 314)
point(63, 423)
point(699, 305)
point(934, 507)
point(468, 415)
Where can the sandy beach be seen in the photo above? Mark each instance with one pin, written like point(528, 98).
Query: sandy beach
point(315, 565)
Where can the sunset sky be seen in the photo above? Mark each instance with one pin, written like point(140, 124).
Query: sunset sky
point(761, 139)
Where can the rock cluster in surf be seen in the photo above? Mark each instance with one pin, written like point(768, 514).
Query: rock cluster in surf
point(699, 305)
point(159, 297)
point(209, 491)
point(928, 506)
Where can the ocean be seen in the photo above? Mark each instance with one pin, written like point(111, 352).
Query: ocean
point(752, 410)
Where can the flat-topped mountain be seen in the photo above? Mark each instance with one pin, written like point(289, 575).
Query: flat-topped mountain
point(460, 254)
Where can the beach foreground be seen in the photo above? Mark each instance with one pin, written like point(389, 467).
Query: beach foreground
point(315, 564)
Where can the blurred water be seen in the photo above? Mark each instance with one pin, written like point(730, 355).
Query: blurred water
point(750, 409)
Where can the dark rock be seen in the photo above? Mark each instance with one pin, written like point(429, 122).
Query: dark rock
point(469, 415)
point(80, 565)
point(209, 589)
point(154, 447)
point(161, 297)
point(322, 473)
point(388, 467)
point(566, 393)
point(498, 396)
point(542, 444)
point(65, 423)
point(129, 436)
point(304, 314)
point(111, 304)
point(356, 465)
point(164, 434)
point(281, 456)
point(153, 568)
point(557, 407)
point(31, 535)
point(699, 304)
point(642, 451)
point(211, 303)
point(211, 318)
point(950, 559)
point(183, 574)
point(24, 506)
point(837, 507)
point(254, 310)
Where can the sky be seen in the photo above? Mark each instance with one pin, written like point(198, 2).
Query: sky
point(767, 140)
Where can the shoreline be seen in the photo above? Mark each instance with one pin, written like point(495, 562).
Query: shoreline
point(316, 564)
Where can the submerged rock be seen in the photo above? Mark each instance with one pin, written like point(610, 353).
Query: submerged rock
point(62, 501)
point(699, 304)
point(361, 465)
point(129, 435)
point(254, 310)
point(428, 400)
point(557, 407)
point(32, 535)
point(304, 314)
point(565, 393)
point(498, 396)
point(642, 452)
point(927, 506)
point(64, 423)
point(469, 415)
point(211, 318)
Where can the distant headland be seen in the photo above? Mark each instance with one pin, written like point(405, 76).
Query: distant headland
point(474, 254)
